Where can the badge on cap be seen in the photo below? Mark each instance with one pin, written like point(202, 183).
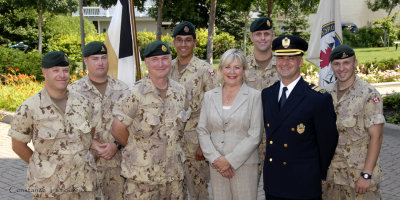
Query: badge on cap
point(286, 42)
point(301, 128)
point(163, 48)
point(102, 48)
point(186, 29)
point(268, 23)
point(66, 58)
point(344, 55)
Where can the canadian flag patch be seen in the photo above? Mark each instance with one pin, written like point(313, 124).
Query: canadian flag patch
point(212, 72)
point(376, 99)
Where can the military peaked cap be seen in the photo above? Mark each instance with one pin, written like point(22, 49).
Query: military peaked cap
point(288, 45)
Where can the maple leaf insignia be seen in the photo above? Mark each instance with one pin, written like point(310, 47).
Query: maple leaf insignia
point(324, 57)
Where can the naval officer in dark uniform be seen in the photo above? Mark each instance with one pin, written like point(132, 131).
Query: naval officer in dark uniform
point(300, 124)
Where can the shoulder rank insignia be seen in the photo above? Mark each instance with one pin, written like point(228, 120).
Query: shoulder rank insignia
point(271, 84)
point(318, 89)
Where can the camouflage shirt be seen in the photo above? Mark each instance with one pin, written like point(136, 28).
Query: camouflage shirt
point(61, 161)
point(359, 108)
point(258, 78)
point(198, 77)
point(153, 153)
point(102, 111)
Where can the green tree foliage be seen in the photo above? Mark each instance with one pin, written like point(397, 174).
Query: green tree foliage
point(70, 44)
point(65, 24)
point(26, 63)
point(295, 21)
point(17, 24)
point(222, 42)
point(42, 6)
point(366, 36)
point(388, 24)
point(139, 4)
point(183, 10)
point(387, 5)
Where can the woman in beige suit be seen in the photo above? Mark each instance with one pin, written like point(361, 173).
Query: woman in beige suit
point(230, 129)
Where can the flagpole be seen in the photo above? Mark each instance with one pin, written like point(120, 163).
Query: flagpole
point(134, 39)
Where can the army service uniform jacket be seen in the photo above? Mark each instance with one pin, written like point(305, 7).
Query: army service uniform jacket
point(301, 141)
point(61, 161)
point(359, 108)
point(102, 111)
point(153, 153)
point(198, 77)
point(259, 78)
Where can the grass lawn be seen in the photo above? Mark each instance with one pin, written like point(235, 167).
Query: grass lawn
point(381, 53)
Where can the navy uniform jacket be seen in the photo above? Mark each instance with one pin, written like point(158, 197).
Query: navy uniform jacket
point(301, 141)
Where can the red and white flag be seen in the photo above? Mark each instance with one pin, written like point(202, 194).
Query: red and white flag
point(326, 34)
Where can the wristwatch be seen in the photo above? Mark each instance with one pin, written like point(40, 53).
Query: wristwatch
point(119, 146)
point(366, 175)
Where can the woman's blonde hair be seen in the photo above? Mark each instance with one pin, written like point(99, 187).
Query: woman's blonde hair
point(227, 58)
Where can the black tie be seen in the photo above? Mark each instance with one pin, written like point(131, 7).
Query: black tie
point(283, 98)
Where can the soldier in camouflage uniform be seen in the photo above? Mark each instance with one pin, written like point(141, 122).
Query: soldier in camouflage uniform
point(262, 69)
point(149, 122)
point(104, 92)
point(59, 124)
point(197, 77)
point(354, 172)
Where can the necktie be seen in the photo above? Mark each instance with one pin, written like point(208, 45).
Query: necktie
point(283, 98)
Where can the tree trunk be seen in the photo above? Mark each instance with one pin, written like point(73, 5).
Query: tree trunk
point(160, 4)
point(40, 11)
point(211, 23)
point(82, 31)
point(246, 21)
point(270, 7)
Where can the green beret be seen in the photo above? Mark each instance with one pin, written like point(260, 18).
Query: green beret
point(341, 52)
point(289, 45)
point(156, 48)
point(94, 48)
point(184, 28)
point(261, 24)
point(55, 58)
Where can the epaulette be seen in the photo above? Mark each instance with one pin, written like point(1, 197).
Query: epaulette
point(316, 88)
point(272, 84)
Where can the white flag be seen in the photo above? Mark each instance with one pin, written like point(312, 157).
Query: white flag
point(120, 45)
point(325, 36)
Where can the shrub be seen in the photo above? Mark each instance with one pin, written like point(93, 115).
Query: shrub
point(70, 44)
point(20, 62)
point(222, 42)
point(365, 37)
point(392, 101)
point(391, 106)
